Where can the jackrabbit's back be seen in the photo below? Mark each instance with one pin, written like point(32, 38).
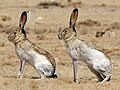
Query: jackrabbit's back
point(29, 52)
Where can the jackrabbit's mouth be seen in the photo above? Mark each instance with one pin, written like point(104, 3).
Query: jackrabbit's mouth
point(9, 38)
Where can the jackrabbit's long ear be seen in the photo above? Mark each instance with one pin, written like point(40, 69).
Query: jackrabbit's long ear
point(73, 17)
point(23, 19)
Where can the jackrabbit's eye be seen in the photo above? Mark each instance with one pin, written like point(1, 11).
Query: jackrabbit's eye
point(15, 33)
point(65, 31)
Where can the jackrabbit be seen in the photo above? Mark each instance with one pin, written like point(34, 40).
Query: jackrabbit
point(78, 49)
point(40, 59)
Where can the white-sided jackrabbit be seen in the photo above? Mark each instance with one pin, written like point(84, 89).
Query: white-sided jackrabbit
point(40, 59)
point(78, 49)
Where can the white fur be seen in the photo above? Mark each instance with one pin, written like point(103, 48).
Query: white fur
point(88, 55)
point(84, 52)
point(93, 58)
point(32, 57)
point(40, 62)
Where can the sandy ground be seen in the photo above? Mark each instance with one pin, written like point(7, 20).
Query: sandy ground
point(42, 29)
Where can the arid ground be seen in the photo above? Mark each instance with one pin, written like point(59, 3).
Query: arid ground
point(47, 17)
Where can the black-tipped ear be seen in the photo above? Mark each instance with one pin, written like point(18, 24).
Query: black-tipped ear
point(23, 19)
point(73, 17)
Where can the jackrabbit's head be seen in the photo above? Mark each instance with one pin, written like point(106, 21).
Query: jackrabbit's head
point(70, 32)
point(19, 34)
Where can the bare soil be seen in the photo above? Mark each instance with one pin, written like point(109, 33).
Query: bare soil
point(42, 29)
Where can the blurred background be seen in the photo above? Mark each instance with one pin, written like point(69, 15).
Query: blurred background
point(98, 24)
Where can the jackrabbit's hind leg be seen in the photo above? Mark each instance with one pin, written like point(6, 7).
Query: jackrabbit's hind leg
point(109, 78)
point(106, 76)
point(41, 73)
point(100, 78)
point(40, 70)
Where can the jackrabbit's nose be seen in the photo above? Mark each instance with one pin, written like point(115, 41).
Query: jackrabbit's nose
point(8, 37)
point(59, 37)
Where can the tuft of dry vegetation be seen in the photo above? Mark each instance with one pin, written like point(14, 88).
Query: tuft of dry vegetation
point(89, 22)
point(47, 4)
point(5, 18)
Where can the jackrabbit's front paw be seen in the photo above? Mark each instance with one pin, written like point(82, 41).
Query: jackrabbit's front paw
point(19, 75)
